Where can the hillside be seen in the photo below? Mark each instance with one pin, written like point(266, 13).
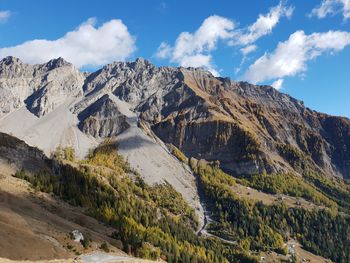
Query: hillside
point(88, 186)
point(36, 226)
point(252, 170)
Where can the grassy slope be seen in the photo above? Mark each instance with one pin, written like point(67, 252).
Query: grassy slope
point(147, 222)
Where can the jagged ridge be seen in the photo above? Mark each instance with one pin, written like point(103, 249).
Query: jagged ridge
point(248, 128)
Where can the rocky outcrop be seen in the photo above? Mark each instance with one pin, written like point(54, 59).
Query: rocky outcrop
point(248, 128)
point(130, 81)
point(41, 87)
point(20, 155)
point(102, 119)
point(244, 125)
point(336, 132)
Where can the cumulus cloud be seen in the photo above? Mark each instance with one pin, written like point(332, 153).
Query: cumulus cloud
point(164, 51)
point(263, 25)
point(332, 7)
point(87, 45)
point(290, 57)
point(277, 84)
point(194, 49)
point(4, 16)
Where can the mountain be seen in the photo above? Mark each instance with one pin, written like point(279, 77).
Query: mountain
point(240, 169)
point(248, 128)
point(40, 87)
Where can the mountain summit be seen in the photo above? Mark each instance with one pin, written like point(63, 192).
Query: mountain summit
point(247, 128)
point(178, 165)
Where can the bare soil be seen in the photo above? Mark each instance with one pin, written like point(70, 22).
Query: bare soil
point(36, 226)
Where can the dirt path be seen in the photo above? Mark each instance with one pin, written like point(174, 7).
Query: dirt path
point(102, 257)
point(95, 257)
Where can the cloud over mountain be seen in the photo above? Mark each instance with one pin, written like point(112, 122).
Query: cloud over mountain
point(195, 49)
point(263, 25)
point(87, 45)
point(291, 56)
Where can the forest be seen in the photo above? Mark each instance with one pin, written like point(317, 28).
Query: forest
point(149, 224)
point(262, 227)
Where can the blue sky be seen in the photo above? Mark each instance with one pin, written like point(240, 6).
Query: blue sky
point(303, 47)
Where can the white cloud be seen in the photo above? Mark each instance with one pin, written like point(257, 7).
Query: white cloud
point(290, 57)
point(87, 45)
point(248, 49)
point(164, 51)
point(213, 28)
point(200, 61)
point(194, 49)
point(4, 16)
point(332, 7)
point(263, 25)
point(277, 84)
point(245, 51)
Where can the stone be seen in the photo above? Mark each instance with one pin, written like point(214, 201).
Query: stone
point(77, 236)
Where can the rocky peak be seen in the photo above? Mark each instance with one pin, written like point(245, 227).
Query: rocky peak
point(141, 62)
point(130, 81)
point(197, 71)
point(102, 118)
point(10, 60)
point(41, 87)
point(248, 128)
point(11, 67)
point(56, 63)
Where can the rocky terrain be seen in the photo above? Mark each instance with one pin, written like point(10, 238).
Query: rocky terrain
point(40, 87)
point(248, 128)
point(243, 129)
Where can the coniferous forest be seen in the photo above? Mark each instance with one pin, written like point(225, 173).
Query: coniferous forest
point(149, 224)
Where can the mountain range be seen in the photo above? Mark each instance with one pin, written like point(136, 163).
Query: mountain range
point(167, 122)
point(248, 128)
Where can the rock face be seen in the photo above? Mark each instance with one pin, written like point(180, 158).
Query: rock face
point(40, 87)
point(131, 82)
point(102, 119)
point(21, 156)
point(248, 128)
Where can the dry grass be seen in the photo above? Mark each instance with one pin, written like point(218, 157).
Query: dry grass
point(35, 226)
point(269, 199)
